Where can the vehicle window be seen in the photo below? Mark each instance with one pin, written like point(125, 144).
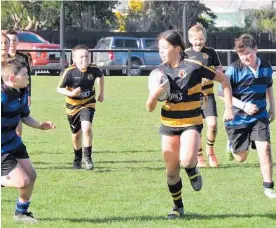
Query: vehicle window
point(119, 43)
point(30, 38)
point(152, 44)
point(131, 44)
point(99, 44)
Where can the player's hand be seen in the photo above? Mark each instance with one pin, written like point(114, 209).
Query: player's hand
point(250, 108)
point(75, 92)
point(161, 89)
point(228, 114)
point(29, 101)
point(101, 97)
point(271, 113)
point(46, 125)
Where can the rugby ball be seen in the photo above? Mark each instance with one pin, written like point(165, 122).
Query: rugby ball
point(156, 78)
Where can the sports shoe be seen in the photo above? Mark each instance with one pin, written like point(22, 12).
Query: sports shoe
point(89, 164)
point(195, 179)
point(25, 217)
point(213, 162)
point(201, 162)
point(270, 193)
point(77, 163)
point(176, 213)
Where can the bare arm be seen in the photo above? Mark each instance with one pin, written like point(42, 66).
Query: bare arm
point(100, 82)
point(64, 91)
point(227, 91)
point(219, 68)
point(271, 101)
point(31, 122)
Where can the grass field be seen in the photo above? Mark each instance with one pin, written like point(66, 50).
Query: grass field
point(128, 188)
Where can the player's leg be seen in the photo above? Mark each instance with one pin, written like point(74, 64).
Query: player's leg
point(210, 113)
point(13, 175)
point(19, 128)
point(260, 135)
point(170, 150)
point(189, 147)
point(75, 126)
point(239, 141)
point(86, 118)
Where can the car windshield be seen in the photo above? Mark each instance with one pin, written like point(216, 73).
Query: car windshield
point(30, 38)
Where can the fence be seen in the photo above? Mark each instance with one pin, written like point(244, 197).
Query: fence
point(128, 67)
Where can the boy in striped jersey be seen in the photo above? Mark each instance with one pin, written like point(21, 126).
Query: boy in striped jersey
point(77, 84)
point(251, 80)
point(209, 57)
point(16, 168)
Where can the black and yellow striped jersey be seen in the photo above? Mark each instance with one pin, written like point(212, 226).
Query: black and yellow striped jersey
point(28, 59)
point(183, 108)
point(73, 78)
point(209, 57)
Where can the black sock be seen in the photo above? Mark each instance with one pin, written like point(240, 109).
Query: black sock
point(175, 191)
point(87, 151)
point(268, 184)
point(78, 154)
point(191, 171)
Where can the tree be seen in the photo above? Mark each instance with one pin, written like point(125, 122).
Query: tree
point(90, 15)
point(263, 20)
point(161, 15)
point(25, 15)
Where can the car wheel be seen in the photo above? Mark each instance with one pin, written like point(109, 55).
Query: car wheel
point(135, 69)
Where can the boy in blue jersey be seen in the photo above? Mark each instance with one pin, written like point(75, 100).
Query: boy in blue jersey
point(16, 168)
point(251, 80)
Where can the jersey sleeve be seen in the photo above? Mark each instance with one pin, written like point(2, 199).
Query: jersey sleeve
point(215, 59)
point(65, 79)
point(207, 72)
point(230, 73)
point(270, 80)
point(99, 73)
point(25, 111)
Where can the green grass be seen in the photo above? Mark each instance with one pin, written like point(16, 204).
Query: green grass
point(128, 186)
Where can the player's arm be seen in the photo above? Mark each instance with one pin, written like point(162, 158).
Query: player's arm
point(44, 125)
point(155, 92)
point(248, 108)
point(64, 82)
point(100, 81)
point(216, 61)
point(270, 98)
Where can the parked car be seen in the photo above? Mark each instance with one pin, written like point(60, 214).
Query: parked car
point(114, 61)
point(45, 62)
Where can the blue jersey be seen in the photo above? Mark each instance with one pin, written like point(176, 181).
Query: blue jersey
point(251, 88)
point(14, 106)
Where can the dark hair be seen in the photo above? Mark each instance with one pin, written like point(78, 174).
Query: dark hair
point(245, 41)
point(173, 37)
point(11, 67)
point(11, 32)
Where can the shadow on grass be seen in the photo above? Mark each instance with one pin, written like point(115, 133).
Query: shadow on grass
point(155, 218)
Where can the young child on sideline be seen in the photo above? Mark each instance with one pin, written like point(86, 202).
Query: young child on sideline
point(77, 84)
point(197, 37)
point(17, 170)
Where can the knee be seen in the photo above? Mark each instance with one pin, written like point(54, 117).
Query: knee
point(87, 131)
point(24, 182)
point(212, 126)
point(241, 157)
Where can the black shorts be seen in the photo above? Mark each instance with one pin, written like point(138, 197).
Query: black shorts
point(210, 109)
point(240, 139)
point(170, 131)
point(9, 160)
point(85, 114)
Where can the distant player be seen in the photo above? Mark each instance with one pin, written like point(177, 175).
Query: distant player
point(77, 84)
point(14, 53)
point(181, 119)
point(17, 170)
point(251, 80)
point(208, 56)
